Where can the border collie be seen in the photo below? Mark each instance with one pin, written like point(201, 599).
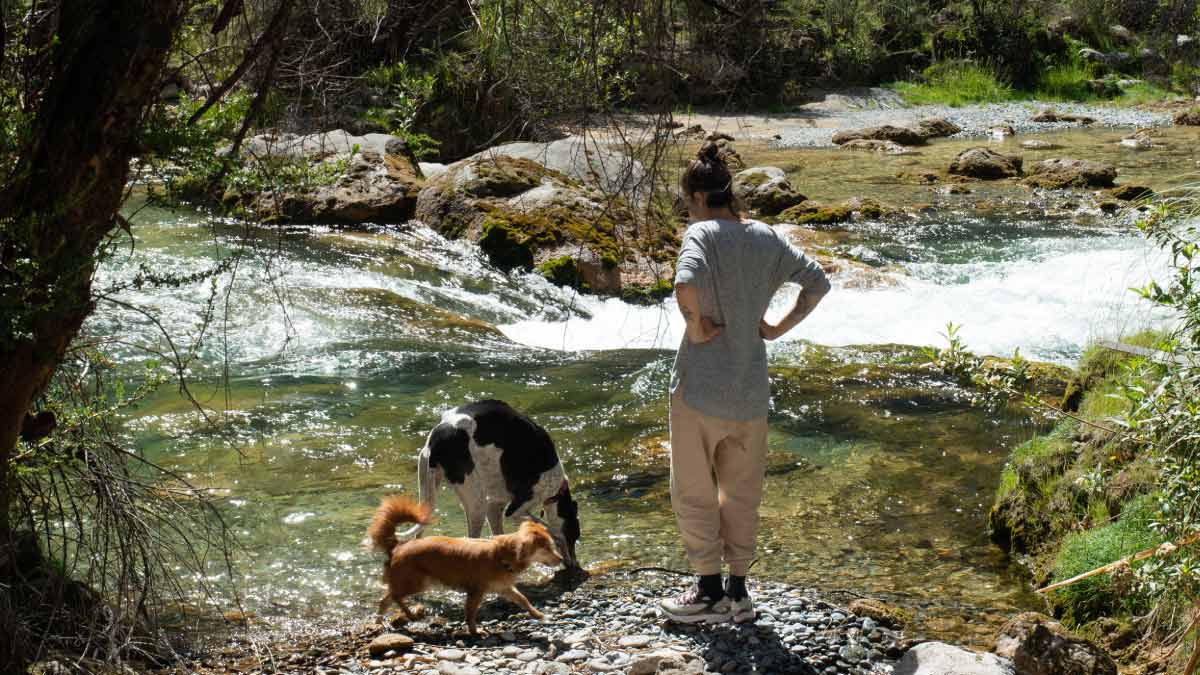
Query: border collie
point(495, 456)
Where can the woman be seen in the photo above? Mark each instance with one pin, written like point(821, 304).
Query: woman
point(728, 269)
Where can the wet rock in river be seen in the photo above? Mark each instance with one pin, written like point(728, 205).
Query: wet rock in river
point(985, 163)
point(872, 145)
point(937, 658)
point(525, 214)
point(937, 127)
point(885, 132)
point(1038, 645)
point(765, 189)
point(1187, 118)
point(882, 612)
point(1071, 173)
point(1130, 193)
point(1049, 115)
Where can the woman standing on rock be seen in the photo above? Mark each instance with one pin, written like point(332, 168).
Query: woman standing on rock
point(729, 268)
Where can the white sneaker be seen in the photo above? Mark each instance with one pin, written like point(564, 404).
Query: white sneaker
point(693, 606)
point(743, 610)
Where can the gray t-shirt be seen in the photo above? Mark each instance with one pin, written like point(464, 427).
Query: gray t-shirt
point(735, 267)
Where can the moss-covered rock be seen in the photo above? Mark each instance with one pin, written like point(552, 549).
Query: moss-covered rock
point(888, 615)
point(1131, 193)
point(885, 132)
point(811, 213)
point(1060, 173)
point(986, 164)
point(524, 214)
point(331, 178)
point(766, 190)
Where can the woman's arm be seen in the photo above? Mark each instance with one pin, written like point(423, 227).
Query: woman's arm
point(806, 302)
point(699, 328)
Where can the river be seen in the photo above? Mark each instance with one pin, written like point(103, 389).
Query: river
point(331, 354)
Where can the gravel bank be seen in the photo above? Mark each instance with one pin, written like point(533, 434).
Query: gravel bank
point(608, 624)
point(974, 120)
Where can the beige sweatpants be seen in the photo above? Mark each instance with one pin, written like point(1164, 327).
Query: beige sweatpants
point(717, 469)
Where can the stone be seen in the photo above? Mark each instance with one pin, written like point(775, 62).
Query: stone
point(1187, 118)
point(525, 215)
point(937, 127)
point(765, 189)
point(1121, 33)
point(389, 642)
point(886, 132)
point(584, 159)
point(1039, 645)
point(872, 145)
point(1036, 144)
point(529, 655)
point(451, 668)
point(358, 179)
point(1049, 115)
point(552, 668)
point(1130, 193)
point(572, 655)
point(1063, 172)
point(634, 641)
point(450, 655)
point(1092, 56)
point(937, 658)
point(986, 164)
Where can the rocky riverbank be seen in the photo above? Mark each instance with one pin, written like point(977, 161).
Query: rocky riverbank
point(606, 624)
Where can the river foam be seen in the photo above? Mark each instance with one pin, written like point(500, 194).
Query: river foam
point(1049, 305)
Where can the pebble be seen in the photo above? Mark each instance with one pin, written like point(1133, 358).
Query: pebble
point(635, 641)
point(450, 655)
point(529, 655)
point(389, 642)
point(572, 655)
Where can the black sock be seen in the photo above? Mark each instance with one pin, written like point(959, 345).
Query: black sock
point(710, 584)
point(736, 587)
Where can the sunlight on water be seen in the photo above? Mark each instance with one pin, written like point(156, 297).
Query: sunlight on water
point(344, 348)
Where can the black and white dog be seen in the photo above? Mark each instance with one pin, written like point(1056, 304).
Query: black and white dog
point(495, 456)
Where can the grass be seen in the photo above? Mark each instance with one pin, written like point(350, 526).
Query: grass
point(955, 83)
point(959, 83)
point(1102, 595)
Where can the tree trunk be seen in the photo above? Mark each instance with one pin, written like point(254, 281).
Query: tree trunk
point(102, 76)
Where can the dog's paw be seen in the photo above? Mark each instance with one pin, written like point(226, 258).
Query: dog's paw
point(537, 615)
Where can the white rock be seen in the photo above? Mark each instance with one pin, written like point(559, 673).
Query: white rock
point(937, 658)
point(450, 655)
point(634, 641)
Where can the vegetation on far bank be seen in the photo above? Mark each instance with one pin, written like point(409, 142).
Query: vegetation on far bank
point(1118, 473)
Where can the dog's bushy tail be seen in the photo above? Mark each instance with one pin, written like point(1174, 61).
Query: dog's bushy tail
point(393, 510)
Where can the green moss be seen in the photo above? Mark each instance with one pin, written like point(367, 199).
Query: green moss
point(754, 179)
point(1104, 594)
point(807, 213)
point(531, 231)
point(647, 295)
point(506, 247)
point(503, 176)
point(1021, 519)
point(562, 270)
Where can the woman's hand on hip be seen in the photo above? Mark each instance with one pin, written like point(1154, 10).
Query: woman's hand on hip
point(769, 331)
point(703, 330)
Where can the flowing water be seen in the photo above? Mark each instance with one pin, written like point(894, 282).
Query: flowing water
point(332, 353)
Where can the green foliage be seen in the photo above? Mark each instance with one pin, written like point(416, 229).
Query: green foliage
point(406, 90)
point(956, 83)
point(1109, 594)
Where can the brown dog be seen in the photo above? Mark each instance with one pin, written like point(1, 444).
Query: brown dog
point(473, 566)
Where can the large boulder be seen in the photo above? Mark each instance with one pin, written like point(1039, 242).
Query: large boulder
point(937, 127)
point(985, 163)
point(765, 189)
point(1038, 645)
point(341, 178)
point(1049, 116)
point(584, 159)
point(1062, 173)
point(525, 215)
point(886, 132)
point(1187, 118)
point(937, 658)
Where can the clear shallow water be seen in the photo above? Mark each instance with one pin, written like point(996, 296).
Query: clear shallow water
point(342, 349)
